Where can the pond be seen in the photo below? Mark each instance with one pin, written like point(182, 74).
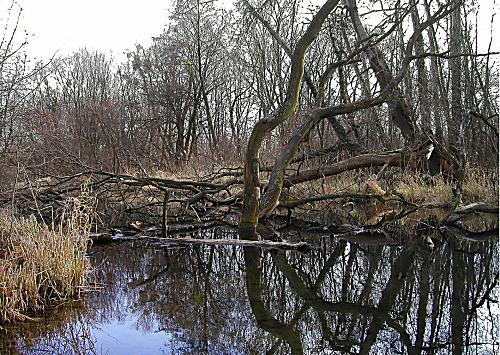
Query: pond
point(342, 297)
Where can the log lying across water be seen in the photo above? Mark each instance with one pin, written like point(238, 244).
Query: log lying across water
point(267, 244)
point(151, 233)
point(476, 208)
point(453, 226)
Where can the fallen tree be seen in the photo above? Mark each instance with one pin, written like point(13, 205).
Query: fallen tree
point(170, 209)
point(215, 195)
point(394, 158)
point(290, 181)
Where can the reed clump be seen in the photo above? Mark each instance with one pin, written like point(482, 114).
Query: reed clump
point(41, 264)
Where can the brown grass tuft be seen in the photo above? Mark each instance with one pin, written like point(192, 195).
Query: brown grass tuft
point(40, 264)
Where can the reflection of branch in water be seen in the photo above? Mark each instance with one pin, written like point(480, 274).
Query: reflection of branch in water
point(439, 293)
point(301, 300)
point(462, 233)
point(264, 318)
point(308, 294)
point(374, 260)
point(346, 285)
point(292, 324)
point(399, 271)
point(66, 332)
point(415, 283)
point(149, 279)
point(458, 306)
point(206, 272)
point(423, 300)
point(486, 296)
point(380, 313)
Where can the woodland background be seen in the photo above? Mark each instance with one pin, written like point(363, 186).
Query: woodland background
point(190, 100)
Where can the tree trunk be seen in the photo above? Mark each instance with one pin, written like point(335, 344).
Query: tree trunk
point(399, 111)
point(456, 117)
point(251, 195)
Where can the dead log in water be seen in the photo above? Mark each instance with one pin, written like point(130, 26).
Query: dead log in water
point(452, 224)
point(462, 233)
point(477, 207)
point(267, 244)
point(151, 234)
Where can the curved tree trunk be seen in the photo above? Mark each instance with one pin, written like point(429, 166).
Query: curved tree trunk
point(251, 196)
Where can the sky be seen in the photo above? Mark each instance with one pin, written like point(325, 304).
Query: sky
point(105, 25)
point(113, 26)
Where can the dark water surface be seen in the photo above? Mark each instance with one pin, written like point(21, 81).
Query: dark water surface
point(340, 298)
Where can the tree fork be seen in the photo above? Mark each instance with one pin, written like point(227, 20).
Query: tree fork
point(251, 195)
point(251, 204)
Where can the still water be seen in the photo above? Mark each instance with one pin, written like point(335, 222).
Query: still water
point(340, 298)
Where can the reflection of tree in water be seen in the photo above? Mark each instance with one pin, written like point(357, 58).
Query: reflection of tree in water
point(61, 332)
point(342, 297)
point(377, 299)
point(196, 294)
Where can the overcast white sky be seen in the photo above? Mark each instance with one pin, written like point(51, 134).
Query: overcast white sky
point(67, 25)
point(114, 25)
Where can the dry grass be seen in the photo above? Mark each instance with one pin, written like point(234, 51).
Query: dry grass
point(414, 189)
point(477, 187)
point(40, 264)
point(480, 186)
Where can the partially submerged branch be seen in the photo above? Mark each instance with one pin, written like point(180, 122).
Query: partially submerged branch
point(266, 244)
point(476, 208)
